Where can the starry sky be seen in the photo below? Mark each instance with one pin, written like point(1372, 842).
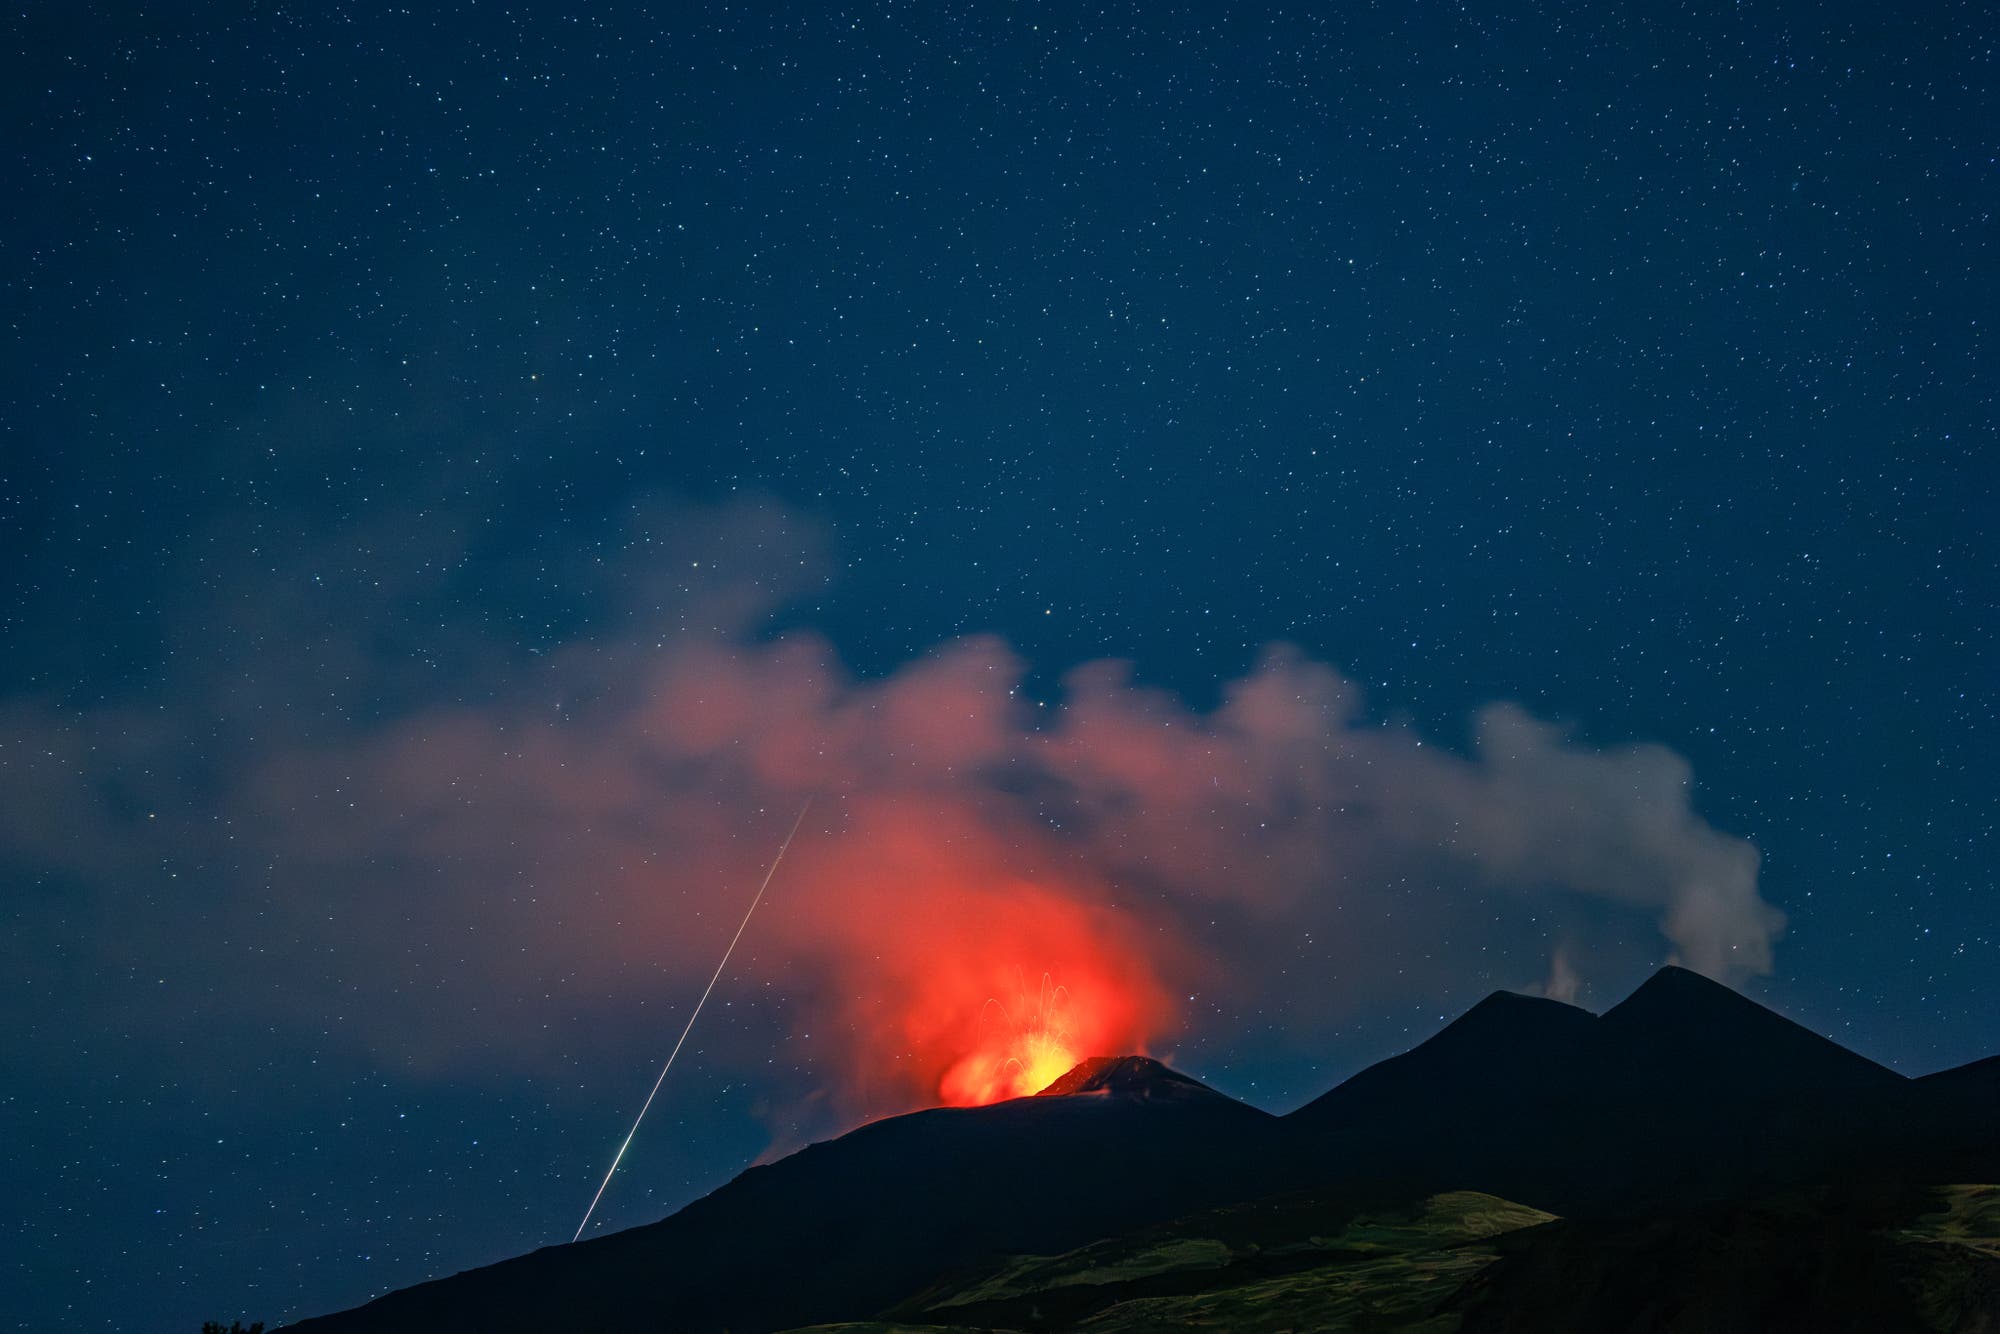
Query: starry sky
point(1288, 519)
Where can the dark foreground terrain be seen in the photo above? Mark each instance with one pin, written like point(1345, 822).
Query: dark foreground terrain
point(1469, 1262)
point(1688, 1161)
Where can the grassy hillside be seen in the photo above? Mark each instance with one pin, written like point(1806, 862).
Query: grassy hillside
point(1952, 1254)
point(1914, 1261)
point(1923, 1262)
point(1297, 1261)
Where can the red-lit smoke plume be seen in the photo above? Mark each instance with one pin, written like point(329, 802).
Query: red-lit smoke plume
point(958, 969)
point(524, 876)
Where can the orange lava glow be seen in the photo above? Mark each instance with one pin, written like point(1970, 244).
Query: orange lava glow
point(1029, 1047)
point(1014, 988)
point(951, 977)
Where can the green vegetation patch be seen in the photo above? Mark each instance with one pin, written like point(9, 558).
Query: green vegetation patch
point(1452, 1219)
point(1953, 1258)
point(1383, 1271)
point(1028, 1274)
point(1292, 1263)
point(1966, 1216)
point(1398, 1292)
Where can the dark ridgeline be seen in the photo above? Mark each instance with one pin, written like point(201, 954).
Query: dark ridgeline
point(1684, 1094)
point(1133, 1078)
point(848, 1226)
point(1684, 1091)
point(1956, 1114)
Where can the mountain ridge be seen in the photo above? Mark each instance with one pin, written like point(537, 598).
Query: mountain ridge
point(1132, 1077)
point(1686, 1090)
point(859, 1221)
point(1684, 1093)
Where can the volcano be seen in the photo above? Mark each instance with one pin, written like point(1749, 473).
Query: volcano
point(1131, 1078)
point(1684, 1091)
point(855, 1223)
point(1685, 1096)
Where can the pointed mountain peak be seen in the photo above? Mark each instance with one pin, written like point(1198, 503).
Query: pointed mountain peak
point(1673, 978)
point(1519, 1002)
point(1684, 993)
point(1697, 1022)
point(1514, 1016)
point(1126, 1077)
point(1986, 1071)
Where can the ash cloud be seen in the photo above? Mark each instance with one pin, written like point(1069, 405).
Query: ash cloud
point(575, 832)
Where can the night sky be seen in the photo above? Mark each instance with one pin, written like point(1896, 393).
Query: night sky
point(1284, 521)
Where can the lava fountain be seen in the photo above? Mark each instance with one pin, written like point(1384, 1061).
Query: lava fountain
point(949, 978)
point(1023, 1048)
point(978, 1030)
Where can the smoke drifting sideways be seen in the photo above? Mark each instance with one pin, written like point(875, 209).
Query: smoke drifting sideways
point(989, 888)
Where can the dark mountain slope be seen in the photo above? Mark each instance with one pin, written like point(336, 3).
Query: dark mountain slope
point(1525, 1046)
point(1685, 1091)
point(1980, 1078)
point(1699, 1033)
point(1485, 1105)
point(1952, 1124)
point(844, 1228)
point(1683, 1095)
point(1720, 1096)
point(1827, 1260)
point(1812, 1262)
point(1132, 1077)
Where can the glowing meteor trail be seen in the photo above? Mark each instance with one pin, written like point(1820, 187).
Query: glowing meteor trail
point(620, 1155)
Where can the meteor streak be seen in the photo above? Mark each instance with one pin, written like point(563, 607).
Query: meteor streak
point(620, 1155)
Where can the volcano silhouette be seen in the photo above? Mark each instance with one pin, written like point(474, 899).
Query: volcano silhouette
point(855, 1223)
point(1133, 1078)
point(1683, 1094)
point(1686, 1090)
